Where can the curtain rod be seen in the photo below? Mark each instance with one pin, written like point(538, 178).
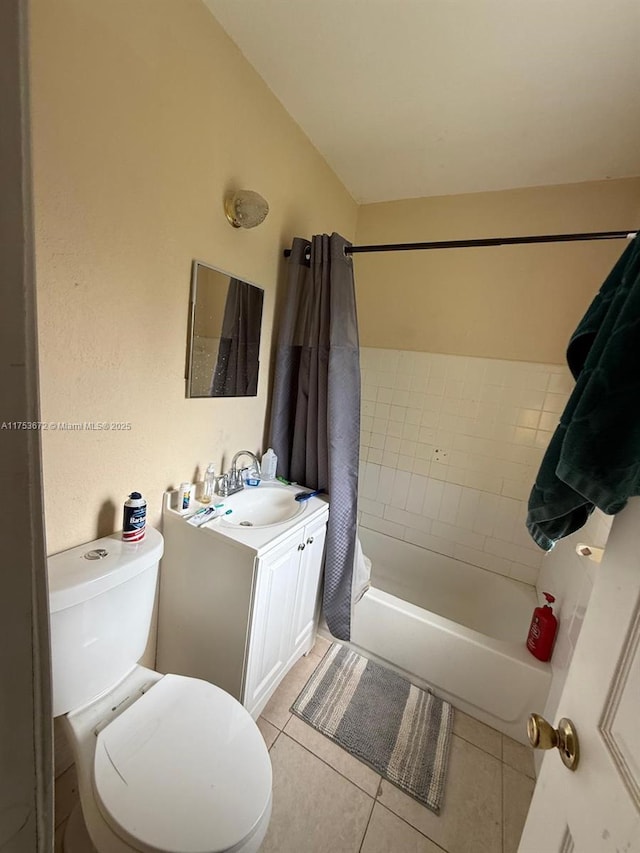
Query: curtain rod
point(490, 241)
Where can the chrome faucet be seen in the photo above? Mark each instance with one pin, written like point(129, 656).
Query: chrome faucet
point(232, 481)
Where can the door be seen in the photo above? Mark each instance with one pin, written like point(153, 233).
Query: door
point(305, 611)
point(26, 750)
point(596, 808)
point(270, 631)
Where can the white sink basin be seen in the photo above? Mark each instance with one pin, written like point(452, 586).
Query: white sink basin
point(261, 506)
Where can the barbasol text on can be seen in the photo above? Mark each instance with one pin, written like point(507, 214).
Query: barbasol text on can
point(134, 518)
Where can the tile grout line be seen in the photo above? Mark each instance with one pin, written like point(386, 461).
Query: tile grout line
point(276, 738)
point(533, 779)
point(275, 725)
point(477, 746)
point(411, 826)
point(500, 757)
point(376, 798)
point(366, 829)
point(331, 767)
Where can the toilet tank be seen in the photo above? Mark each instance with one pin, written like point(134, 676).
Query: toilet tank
point(101, 599)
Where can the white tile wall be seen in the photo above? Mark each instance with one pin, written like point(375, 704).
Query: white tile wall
point(450, 447)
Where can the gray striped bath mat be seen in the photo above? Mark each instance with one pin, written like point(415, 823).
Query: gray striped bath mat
point(399, 730)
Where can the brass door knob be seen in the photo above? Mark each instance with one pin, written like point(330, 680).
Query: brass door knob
point(542, 735)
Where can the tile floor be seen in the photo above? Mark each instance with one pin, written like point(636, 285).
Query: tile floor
point(326, 801)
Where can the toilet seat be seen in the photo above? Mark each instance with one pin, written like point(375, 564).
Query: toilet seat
point(184, 769)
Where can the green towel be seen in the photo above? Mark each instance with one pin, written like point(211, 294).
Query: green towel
point(593, 459)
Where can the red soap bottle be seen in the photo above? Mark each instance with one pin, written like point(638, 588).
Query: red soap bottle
point(543, 629)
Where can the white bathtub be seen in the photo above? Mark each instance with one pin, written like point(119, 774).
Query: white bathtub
point(456, 627)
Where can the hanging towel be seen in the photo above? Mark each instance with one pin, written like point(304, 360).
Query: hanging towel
point(593, 459)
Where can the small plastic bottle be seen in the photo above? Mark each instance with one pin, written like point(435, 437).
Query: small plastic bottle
point(269, 465)
point(208, 485)
point(252, 475)
point(184, 497)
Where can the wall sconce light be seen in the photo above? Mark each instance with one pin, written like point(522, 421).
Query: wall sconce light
point(245, 209)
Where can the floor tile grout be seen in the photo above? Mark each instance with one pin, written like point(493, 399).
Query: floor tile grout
point(276, 738)
point(366, 829)
point(520, 772)
point(330, 766)
point(410, 825)
point(473, 743)
point(376, 799)
point(493, 755)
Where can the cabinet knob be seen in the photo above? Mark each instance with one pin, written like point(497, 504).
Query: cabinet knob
point(301, 546)
point(310, 540)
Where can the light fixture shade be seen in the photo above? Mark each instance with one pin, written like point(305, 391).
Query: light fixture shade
point(245, 208)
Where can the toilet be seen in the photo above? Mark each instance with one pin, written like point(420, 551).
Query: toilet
point(165, 763)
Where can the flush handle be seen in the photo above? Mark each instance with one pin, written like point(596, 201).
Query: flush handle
point(542, 735)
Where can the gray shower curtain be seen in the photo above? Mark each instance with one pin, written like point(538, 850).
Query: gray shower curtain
point(236, 370)
point(315, 416)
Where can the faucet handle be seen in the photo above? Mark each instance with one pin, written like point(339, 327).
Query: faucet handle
point(222, 485)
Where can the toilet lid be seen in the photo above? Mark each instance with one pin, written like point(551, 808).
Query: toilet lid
point(183, 770)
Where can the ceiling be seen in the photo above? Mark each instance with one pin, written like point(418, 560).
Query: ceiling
point(409, 98)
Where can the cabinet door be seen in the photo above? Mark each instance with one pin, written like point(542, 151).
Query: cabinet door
point(270, 633)
point(305, 613)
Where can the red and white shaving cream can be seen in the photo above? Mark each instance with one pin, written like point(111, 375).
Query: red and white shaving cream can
point(135, 518)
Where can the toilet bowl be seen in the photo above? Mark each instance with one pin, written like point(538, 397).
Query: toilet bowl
point(165, 763)
point(179, 765)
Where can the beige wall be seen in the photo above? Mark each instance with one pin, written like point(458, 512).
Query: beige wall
point(520, 302)
point(143, 114)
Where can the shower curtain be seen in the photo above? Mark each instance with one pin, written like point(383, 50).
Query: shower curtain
point(315, 418)
point(236, 370)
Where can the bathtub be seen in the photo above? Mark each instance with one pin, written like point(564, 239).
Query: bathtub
point(455, 627)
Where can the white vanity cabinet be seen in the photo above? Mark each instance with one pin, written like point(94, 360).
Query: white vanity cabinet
point(238, 607)
point(285, 612)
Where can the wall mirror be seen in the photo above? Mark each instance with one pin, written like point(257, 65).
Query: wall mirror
point(223, 349)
